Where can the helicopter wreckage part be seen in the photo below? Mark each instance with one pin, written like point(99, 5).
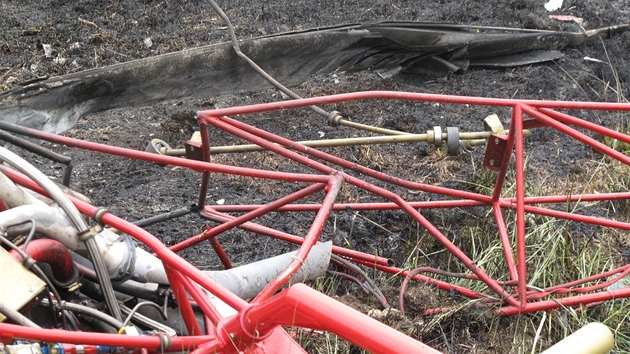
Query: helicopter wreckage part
point(212, 314)
point(55, 104)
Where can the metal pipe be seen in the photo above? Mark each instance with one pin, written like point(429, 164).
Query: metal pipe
point(301, 306)
point(39, 150)
point(92, 312)
point(162, 159)
point(50, 222)
point(469, 139)
point(249, 216)
point(163, 217)
point(315, 231)
point(16, 316)
point(519, 171)
point(13, 195)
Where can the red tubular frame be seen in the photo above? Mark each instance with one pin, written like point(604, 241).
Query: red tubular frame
point(257, 325)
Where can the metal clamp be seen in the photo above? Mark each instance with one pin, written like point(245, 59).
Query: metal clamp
point(437, 136)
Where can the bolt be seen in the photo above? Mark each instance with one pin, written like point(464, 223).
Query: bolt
point(496, 141)
point(491, 162)
point(30, 289)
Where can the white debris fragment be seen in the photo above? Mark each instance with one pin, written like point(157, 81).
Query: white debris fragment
point(75, 45)
point(221, 201)
point(577, 20)
point(386, 74)
point(321, 134)
point(148, 42)
point(593, 59)
point(59, 60)
point(47, 50)
point(553, 5)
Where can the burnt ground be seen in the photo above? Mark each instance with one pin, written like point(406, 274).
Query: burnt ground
point(88, 34)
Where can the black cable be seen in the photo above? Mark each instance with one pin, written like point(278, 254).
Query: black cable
point(41, 151)
point(376, 291)
point(255, 66)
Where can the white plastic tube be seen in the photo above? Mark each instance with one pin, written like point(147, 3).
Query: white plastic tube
point(594, 338)
point(248, 280)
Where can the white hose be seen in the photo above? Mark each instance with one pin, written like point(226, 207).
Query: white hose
point(248, 280)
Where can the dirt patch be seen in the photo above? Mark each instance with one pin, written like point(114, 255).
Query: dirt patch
point(86, 34)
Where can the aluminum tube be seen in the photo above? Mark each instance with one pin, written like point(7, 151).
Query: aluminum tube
point(50, 222)
point(248, 280)
point(49, 186)
point(13, 195)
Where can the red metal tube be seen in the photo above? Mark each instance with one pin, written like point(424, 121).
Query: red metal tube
point(434, 204)
point(301, 306)
point(576, 134)
point(54, 253)
point(104, 339)
point(212, 214)
point(565, 302)
point(311, 238)
point(218, 249)
point(569, 216)
point(363, 206)
point(168, 160)
point(249, 216)
point(201, 300)
point(256, 134)
point(185, 308)
point(519, 167)
point(505, 162)
point(567, 119)
point(409, 96)
point(505, 241)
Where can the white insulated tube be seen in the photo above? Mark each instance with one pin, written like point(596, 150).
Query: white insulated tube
point(594, 338)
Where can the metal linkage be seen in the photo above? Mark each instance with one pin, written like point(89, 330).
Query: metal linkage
point(452, 139)
point(543, 114)
point(256, 326)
